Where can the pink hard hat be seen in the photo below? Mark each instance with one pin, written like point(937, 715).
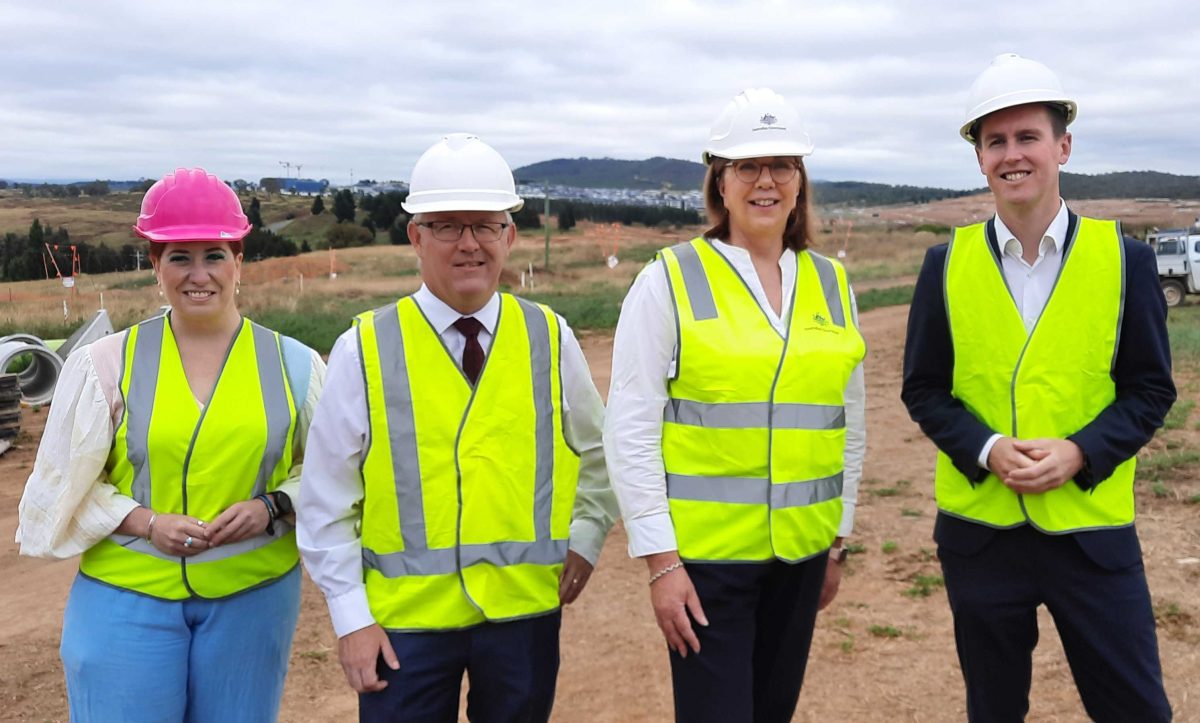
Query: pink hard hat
point(191, 205)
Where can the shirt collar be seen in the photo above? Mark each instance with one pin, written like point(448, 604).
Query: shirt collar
point(441, 316)
point(1052, 239)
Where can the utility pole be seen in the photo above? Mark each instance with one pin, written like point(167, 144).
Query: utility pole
point(546, 224)
point(298, 167)
point(137, 257)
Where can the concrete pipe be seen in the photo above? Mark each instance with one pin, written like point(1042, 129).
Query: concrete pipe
point(38, 379)
point(26, 338)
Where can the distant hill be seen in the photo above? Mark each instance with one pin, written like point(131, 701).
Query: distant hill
point(1130, 184)
point(652, 173)
point(857, 193)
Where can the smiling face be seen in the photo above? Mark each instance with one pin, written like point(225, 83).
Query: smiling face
point(759, 208)
point(199, 279)
point(463, 273)
point(1019, 153)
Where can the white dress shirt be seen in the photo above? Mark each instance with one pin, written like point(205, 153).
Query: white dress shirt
point(644, 357)
point(330, 510)
point(1029, 284)
point(69, 504)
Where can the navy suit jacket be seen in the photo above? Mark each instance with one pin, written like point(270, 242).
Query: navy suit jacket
point(1142, 374)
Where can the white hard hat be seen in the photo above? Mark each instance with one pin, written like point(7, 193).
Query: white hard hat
point(757, 122)
point(1009, 81)
point(461, 173)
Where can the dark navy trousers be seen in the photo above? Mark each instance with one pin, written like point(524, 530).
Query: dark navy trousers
point(1102, 613)
point(511, 668)
point(755, 649)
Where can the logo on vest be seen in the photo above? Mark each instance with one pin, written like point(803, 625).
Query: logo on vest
point(820, 323)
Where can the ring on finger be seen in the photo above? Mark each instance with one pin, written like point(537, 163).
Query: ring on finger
point(188, 541)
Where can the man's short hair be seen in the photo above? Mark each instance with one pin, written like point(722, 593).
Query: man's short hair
point(1058, 122)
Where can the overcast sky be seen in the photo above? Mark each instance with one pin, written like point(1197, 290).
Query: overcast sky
point(358, 89)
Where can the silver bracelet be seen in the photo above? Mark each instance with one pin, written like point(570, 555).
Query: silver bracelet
point(150, 527)
point(669, 568)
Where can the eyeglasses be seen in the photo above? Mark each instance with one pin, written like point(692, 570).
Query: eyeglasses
point(749, 170)
point(452, 231)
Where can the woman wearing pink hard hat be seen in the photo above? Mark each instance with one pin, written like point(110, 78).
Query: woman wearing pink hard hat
point(170, 462)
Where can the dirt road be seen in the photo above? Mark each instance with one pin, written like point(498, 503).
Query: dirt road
point(883, 651)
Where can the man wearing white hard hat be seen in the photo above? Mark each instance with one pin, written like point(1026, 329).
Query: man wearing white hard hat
point(1037, 361)
point(455, 496)
point(735, 433)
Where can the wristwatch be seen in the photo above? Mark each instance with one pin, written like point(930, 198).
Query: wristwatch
point(838, 554)
point(283, 504)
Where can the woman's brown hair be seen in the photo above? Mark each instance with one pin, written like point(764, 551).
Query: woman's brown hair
point(801, 227)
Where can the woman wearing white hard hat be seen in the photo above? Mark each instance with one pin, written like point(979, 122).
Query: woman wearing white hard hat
point(734, 431)
point(170, 460)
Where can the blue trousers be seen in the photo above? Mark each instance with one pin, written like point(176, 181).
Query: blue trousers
point(136, 659)
point(1103, 617)
point(512, 668)
point(754, 652)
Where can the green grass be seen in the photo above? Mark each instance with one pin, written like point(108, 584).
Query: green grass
point(891, 296)
point(933, 228)
point(1183, 324)
point(137, 282)
point(855, 548)
point(317, 322)
point(924, 585)
point(885, 631)
point(596, 307)
point(1178, 416)
point(909, 512)
point(1156, 464)
point(885, 492)
point(889, 546)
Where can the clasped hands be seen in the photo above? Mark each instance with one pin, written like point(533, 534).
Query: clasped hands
point(170, 533)
point(1033, 466)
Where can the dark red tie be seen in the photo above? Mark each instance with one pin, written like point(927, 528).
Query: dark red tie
point(472, 361)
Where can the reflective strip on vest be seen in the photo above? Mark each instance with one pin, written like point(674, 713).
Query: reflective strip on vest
point(696, 281)
point(417, 558)
point(753, 415)
point(754, 491)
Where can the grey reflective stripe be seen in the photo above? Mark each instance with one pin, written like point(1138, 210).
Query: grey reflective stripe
point(829, 285)
point(443, 562)
point(696, 282)
point(808, 492)
point(734, 490)
point(139, 405)
point(754, 415)
point(402, 431)
point(538, 330)
point(808, 416)
point(275, 403)
point(411, 562)
point(753, 490)
point(224, 552)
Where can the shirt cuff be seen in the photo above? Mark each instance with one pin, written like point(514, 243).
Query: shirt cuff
point(350, 611)
point(987, 449)
point(587, 539)
point(847, 524)
point(651, 534)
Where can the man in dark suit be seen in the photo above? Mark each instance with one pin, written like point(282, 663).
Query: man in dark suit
point(1037, 361)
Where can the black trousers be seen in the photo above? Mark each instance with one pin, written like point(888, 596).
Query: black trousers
point(755, 649)
point(512, 669)
point(1103, 617)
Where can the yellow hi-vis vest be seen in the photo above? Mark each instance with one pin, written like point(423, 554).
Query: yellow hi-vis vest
point(468, 492)
point(1048, 382)
point(170, 455)
point(754, 430)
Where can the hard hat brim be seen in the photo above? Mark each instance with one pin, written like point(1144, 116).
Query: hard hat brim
point(758, 150)
point(183, 234)
point(481, 200)
point(1011, 101)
